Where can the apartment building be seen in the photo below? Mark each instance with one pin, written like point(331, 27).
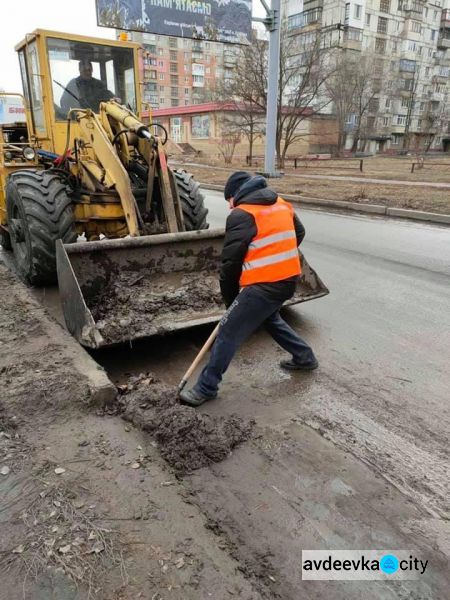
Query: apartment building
point(409, 41)
point(180, 71)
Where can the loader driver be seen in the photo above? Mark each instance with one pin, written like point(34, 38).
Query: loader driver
point(259, 257)
point(85, 91)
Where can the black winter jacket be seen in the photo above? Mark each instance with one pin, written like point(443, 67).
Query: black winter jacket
point(239, 232)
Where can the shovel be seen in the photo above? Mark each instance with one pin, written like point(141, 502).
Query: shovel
point(197, 360)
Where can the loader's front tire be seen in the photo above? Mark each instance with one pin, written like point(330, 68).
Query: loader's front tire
point(39, 213)
point(192, 201)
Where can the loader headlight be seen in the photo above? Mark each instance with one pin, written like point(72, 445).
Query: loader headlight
point(28, 153)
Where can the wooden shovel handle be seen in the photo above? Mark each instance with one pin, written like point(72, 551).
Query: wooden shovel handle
point(197, 360)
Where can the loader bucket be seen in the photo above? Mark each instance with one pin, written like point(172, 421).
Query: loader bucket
point(116, 291)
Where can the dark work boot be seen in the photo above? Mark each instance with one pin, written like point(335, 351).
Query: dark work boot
point(193, 398)
point(291, 365)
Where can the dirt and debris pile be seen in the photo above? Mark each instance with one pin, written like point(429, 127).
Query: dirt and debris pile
point(187, 439)
point(132, 301)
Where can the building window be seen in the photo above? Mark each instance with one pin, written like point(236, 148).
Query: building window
point(186, 102)
point(186, 91)
point(406, 103)
point(367, 18)
point(174, 79)
point(160, 51)
point(357, 11)
point(349, 34)
point(374, 104)
point(396, 139)
point(382, 25)
point(152, 74)
point(200, 127)
point(380, 46)
point(173, 55)
point(433, 34)
point(160, 63)
point(174, 91)
point(416, 27)
point(186, 80)
point(427, 71)
point(408, 85)
point(400, 119)
point(174, 102)
point(388, 102)
point(161, 88)
point(173, 67)
point(173, 42)
point(394, 47)
point(161, 76)
point(385, 6)
point(407, 65)
point(385, 121)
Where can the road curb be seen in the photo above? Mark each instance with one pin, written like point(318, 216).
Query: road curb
point(99, 388)
point(378, 209)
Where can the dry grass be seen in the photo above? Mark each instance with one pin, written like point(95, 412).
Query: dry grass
point(62, 535)
point(400, 196)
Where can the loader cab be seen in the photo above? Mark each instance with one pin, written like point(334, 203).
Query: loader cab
point(63, 71)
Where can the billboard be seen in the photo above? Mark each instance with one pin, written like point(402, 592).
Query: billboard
point(215, 20)
point(11, 110)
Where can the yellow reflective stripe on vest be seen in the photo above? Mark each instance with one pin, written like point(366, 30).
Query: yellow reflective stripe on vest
point(269, 260)
point(271, 239)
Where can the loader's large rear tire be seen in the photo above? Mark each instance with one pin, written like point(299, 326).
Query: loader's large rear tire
point(192, 201)
point(39, 213)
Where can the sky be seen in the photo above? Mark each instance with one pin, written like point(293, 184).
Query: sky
point(24, 16)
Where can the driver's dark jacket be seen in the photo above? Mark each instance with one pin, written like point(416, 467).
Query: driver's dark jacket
point(90, 93)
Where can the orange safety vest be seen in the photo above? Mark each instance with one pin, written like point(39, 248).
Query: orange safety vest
point(272, 254)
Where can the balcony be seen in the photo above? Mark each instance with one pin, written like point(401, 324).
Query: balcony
point(311, 16)
point(394, 128)
point(439, 78)
point(445, 19)
point(352, 38)
point(443, 39)
point(413, 9)
point(229, 60)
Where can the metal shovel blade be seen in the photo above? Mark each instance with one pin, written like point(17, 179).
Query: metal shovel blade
point(116, 291)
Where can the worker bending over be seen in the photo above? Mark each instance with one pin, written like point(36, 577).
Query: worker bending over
point(259, 272)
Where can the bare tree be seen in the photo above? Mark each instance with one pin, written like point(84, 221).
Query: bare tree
point(241, 94)
point(352, 88)
point(228, 140)
point(433, 121)
point(304, 68)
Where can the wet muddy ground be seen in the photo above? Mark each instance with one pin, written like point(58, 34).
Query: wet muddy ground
point(187, 439)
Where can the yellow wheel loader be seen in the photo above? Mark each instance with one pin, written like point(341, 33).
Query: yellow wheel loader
point(87, 198)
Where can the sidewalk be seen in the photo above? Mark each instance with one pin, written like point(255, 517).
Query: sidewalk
point(442, 186)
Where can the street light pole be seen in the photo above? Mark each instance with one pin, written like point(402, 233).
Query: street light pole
point(272, 23)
